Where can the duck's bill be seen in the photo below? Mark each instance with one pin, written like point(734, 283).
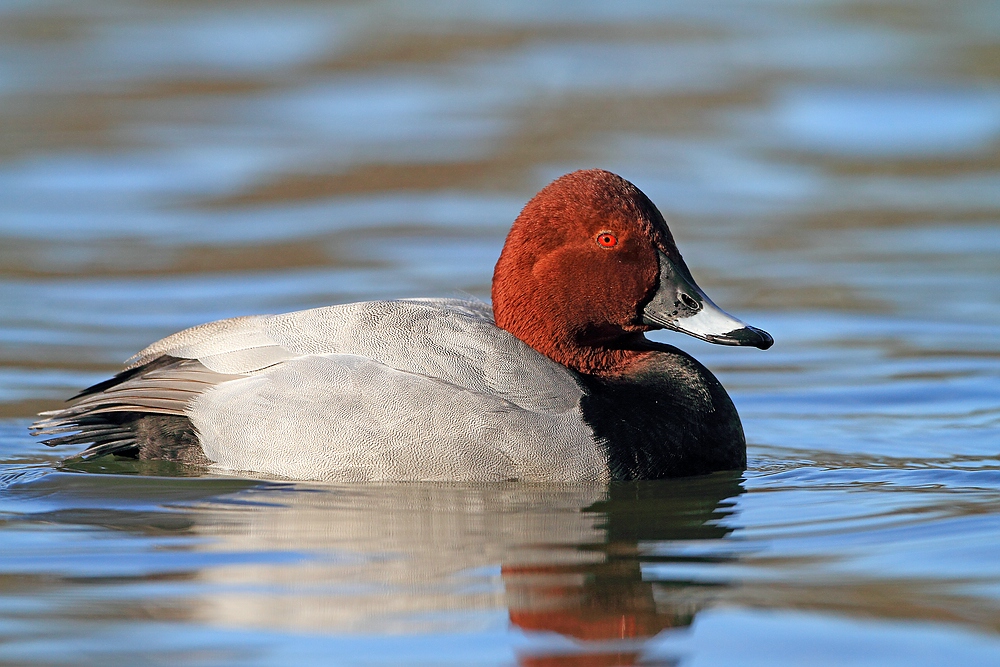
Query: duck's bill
point(679, 304)
point(715, 325)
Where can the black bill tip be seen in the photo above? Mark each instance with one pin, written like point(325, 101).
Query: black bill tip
point(751, 336)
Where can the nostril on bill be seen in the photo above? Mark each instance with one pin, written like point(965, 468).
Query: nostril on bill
point(690, 302)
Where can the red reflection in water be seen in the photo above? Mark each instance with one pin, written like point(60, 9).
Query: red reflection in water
point(592, 603)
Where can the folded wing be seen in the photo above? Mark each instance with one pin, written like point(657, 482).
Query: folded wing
point(415, 389)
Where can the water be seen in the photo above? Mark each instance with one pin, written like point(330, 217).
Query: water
point(831, 171)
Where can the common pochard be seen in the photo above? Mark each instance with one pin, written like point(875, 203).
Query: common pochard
point(555, 382)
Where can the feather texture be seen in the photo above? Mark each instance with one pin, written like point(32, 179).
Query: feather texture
point(414, 389)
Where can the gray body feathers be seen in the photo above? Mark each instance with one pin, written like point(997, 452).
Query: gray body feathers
point(385, 390)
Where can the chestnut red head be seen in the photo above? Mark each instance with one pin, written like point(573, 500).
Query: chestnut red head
point(588, 266)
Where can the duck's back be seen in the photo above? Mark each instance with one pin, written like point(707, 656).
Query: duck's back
point(419, 389)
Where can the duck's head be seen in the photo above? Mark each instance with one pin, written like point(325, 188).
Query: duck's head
point(589, 266)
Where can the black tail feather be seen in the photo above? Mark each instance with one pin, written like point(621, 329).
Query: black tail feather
point(139, 413)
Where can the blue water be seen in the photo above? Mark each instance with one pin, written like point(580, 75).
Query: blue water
point(831, 172)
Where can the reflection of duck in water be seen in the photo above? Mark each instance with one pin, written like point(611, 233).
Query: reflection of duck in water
point(555, 382)
point(608, 599)
point(371, 560)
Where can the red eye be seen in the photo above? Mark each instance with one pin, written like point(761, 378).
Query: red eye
point(607, 240)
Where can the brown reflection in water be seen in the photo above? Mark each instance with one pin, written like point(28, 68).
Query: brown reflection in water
point(458, 41)
point(373, 178)
point(380, 558)
point(903, 599)
point(134, 257)
point(553, 132)
point(118, 115)
point(416, 558)
point(608, 600)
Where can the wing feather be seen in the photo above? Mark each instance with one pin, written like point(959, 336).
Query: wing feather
point(164, 386)
point(416, 389)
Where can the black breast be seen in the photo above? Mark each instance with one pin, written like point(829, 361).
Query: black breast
point(672, 418)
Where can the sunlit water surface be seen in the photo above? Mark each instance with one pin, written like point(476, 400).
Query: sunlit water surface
point(831, 171)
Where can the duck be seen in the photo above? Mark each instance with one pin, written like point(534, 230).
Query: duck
point(555, 382)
